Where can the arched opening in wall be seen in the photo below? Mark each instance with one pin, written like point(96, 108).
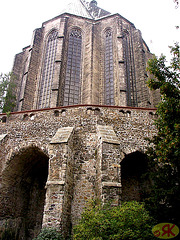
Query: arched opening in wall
point(89, 111)
point(32, 116)
point(25, 117)
point(63, 112)
point(56, 113)
point(128, 113)
point(97, 111)
point(133, 166)
point(4, 119)
point(23, 193)
point(122, 113)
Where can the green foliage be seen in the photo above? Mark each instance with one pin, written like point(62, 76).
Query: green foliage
point(164, 153)
point(126, 222)
point(49, 233)
point(7, 97)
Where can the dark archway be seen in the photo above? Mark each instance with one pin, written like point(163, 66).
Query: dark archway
point(132, 168)
point(23, 192)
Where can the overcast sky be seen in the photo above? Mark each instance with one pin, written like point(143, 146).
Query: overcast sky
point(157, 20)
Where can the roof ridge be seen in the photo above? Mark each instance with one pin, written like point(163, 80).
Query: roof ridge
point(86, 5)
point(85, 9)
point(76, 7)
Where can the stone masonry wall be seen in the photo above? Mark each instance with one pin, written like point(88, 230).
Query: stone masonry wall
point(85, 146)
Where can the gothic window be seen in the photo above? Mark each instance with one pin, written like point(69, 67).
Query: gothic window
point(48, 71)
point(109, 79)
point(73, 69)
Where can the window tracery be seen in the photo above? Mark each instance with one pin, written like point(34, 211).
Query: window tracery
point(48, 71)
point(109, 78)
point(73, 69)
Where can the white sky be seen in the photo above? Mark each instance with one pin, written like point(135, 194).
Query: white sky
point(18, 18)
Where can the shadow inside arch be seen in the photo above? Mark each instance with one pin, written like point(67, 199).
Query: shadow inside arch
point(23, 192)
point(133, 166)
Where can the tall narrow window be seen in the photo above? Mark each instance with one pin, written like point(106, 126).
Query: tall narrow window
point(48, 71)
point(109, 79)
point(73, 69)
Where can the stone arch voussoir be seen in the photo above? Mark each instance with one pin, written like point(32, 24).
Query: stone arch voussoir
point(20, 148)
point(128, 150)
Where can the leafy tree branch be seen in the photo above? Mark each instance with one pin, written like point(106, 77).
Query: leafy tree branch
point(164, 153)
point(7, 97)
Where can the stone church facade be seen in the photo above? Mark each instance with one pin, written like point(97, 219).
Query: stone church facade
point(79, 126)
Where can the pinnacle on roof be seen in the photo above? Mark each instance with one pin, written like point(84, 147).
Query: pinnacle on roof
point(85, 9)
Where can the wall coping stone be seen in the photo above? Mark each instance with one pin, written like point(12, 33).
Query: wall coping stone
point(111, 184)
point(107, 134)
point(62, 135)
point(83, 105)
point(55, 183)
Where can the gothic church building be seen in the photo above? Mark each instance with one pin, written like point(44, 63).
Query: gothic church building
point(78, 130)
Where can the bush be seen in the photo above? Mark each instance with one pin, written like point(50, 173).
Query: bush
point(49, 233)
point(130, 221)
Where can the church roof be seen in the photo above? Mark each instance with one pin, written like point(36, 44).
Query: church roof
point(85, 9)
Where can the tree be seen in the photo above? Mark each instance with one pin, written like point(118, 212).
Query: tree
point(7, 97)
point(130, 221)
point(164, 150)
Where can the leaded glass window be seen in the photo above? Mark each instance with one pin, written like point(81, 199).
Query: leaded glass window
point(48, 71)
point(109, 78)
point(73, 69)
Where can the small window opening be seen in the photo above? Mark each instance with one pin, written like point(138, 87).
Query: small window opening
point(4, 119)
point(32, 116)
point(89, 111)
point(128, 113)
point(56, 113)
point(122, 113)
point(63, 112)
point(25, 117)
point(97, 111)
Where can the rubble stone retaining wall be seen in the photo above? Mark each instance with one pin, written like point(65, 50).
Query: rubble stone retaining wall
point(75, 154)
